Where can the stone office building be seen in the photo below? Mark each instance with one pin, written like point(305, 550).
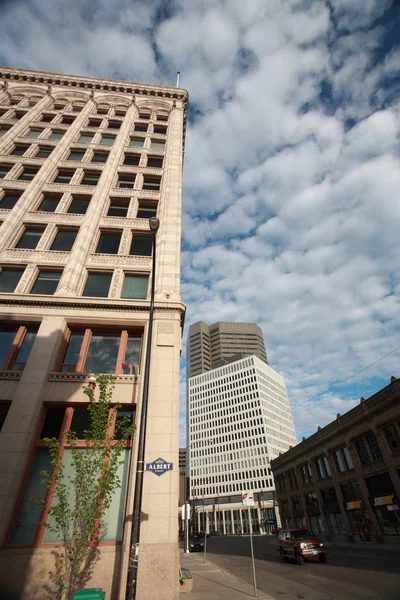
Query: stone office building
point(343, 482)
point(84, 163)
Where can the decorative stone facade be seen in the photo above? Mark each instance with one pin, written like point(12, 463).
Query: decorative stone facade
point(35, 107)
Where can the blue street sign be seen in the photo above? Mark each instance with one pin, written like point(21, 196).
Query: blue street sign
point(159, 466)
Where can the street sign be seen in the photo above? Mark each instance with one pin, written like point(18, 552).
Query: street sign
point(159, 466)
point(248, 499)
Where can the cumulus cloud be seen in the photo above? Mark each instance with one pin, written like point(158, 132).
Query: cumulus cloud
point(291, 178)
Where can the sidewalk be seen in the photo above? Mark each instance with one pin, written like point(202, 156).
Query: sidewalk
point(210, 582)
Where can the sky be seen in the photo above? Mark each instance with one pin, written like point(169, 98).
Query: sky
point(291, 200)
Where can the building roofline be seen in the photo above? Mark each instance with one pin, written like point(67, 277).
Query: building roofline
point(365, 408)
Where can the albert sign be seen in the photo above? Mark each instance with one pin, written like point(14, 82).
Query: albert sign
point(159, 466)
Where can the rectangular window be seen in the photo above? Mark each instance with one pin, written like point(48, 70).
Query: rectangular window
point(102, 111)
point(9, 279)
point(392, 434)
point(137, 142)
point(47, 118)
point(9, 200)
point(64, 240)
point(108, 243)
point(100, 157)
point(15, 345)
point(4, 408)
point(94, 123)
point(64, 176)
point(155, 161)
point(68, 120)
point(157, 144)
point(76, 155)
point(97, 285)
point(146, 210)
point(46, 282)
point(132, 160)
point(162, 117)
point(19, 114)
point(30, 237)
point(85, 138)
point(151, 183)
point(135, 286)
point(43, 152)
point(120, 113)
point(141, 127)
point(56, 135)
point(108, 140)
point(4, 169)
point(374, 447)
point(340, 468)
point(49, 203)
point(90, 178)
point(142, 245)
point(362, 451)
point(118, 208)
point(28, 173)
point(126, 180)
point(160, 129)
point(347, 457)
point(34, 133)
point(19, 150)
point(144, 115)
point(27, 527)
point(78, 205)
point(114, 124)
point(4, 129)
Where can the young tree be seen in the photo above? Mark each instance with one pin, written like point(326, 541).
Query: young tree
point(81, 496)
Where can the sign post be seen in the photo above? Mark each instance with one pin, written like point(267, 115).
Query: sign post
point(248, 500)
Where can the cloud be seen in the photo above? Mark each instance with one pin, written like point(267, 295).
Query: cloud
point(291, 176)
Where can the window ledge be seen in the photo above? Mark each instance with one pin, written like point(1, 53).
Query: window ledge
point(120, 260)
point(84, 377)
point(16, 375)
point(22, 254)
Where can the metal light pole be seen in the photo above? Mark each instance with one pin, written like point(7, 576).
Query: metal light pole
point(131, 583)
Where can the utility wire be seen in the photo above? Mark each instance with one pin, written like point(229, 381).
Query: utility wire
point(344, 380)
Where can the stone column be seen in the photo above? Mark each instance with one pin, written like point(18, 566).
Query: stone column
point(388, 458)
point(15, 216)
point(20, 428)
point(74, 271)
point(169, 235)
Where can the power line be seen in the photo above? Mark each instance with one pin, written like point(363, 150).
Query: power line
point(347, 379)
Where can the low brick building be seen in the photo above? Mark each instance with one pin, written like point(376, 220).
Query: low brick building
point(343, 482)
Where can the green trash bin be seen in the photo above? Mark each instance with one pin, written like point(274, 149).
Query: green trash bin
point(89, 594)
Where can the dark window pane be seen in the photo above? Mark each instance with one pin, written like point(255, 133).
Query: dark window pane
point(374, 447)
point(47, 118)
point(362, 452)
point(43, 152)
point(141, 127)
point(30, 238)
point(94, 123)
point(146, 210)
point(46, 282)
point(78, 206)
point(141, 245)
point(100, 157)
point(122, 415)
point(4, 169)
point(6, 340)
point(49, 204)
point(64, 176)
point(135, 287)
point(132, 159)
point(28, 514)
point(118, 209)
point(144, 116)
point(151, 183)
point(347, 457)
point(9, 200)
point(28, 174)
point(108, 243)
point(34, 133)
point(4, 408)
point(97, 284)
point(152, 161)
point(80, 422)
point(76, 155)
point(68, 120)
point(9, 279)
point(72, 352)
point(107, 140)
point(90, 179)
point(64, 240)
point(132, 356)
point(56, 135)
point(52, 423)
point(114, 124)
point(24, 351)
point(126, 181)
point(19, 150)
point(102, 353)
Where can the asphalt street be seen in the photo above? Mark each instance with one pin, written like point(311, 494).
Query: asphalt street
point(354, 572)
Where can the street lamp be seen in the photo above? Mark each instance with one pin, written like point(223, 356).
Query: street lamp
point(131, 584)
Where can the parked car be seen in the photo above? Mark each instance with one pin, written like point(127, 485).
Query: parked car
point(300, 544)
point(213, 534)
point(195, 544)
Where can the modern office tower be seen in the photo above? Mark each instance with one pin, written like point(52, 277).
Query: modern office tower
point(84, 163)
point(239, 420)
point(208, 345)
